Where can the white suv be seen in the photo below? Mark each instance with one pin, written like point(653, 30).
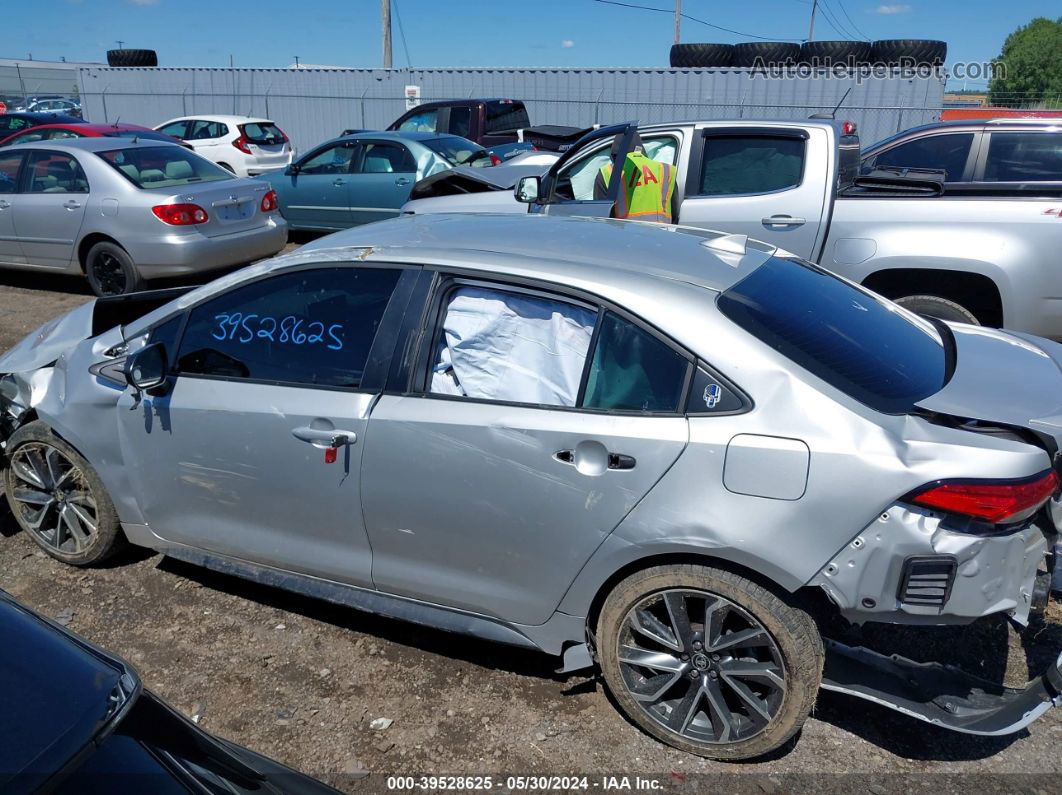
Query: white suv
point(245, 145)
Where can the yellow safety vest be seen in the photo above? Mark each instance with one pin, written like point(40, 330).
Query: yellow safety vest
point(648, 186)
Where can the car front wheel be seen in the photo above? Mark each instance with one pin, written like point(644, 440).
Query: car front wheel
point(709, 661)
point(58, 498)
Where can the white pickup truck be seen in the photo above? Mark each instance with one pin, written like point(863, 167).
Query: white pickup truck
point(978, 254)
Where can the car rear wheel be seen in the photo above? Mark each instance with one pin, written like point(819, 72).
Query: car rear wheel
point(940, 308)
point(57, 497)
point(708, 661)
point(111, 271)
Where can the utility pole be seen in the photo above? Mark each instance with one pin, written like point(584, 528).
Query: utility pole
point(811, 30)
point(120, 43)
point(678, 21)
point(385, 22)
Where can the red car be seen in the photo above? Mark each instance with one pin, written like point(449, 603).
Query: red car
point(52, 132)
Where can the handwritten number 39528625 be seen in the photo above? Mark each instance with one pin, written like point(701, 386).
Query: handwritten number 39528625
point(244, 329)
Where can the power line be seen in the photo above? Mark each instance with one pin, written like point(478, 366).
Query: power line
point(401, 32)
point(854, 26)
point(693, 19)
point(827, 14)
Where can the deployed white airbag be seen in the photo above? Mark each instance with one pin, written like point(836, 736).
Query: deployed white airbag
point(511, 347)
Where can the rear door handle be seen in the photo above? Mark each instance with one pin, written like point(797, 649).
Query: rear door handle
point(339, 183)
point(4, 204)
point(71, 204)
point(403, 181)
point(615, 460)
point(782, 220)
point(332, 438)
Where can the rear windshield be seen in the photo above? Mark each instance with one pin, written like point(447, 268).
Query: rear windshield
point(859, 343)
point(506, 115)
point(455, 149)
point(163, 166)
point(262, 133)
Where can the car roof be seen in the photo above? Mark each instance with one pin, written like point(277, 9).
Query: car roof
point(97, 128)
point(102, 144)
point(393, 135)
point(226, 119)
point(550, 245)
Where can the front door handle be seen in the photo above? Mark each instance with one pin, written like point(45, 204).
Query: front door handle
point(330, 438)
point(4, 204)
point(402, 181)
point(614, 460)
point(71, 204)
point(339, 183)
point(782, 220)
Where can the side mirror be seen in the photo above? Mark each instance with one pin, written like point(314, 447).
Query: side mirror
point(146, 369)
point(528, 189)
point(291, 170)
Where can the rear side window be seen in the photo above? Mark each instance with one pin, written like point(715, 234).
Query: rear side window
point(942, 152)
point(863, 345)
point(9, 165)
point(177, 129)
point(460, 121)
point(742, 165)
point(310, 327)
point(1024, 157)
point(12, 123)
point(503, 115)
point(205, 130)
point(54, 172)
point(387, 158)
point(633, 371)
point(163, 166)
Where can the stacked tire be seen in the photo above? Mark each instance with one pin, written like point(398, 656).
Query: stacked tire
point(910, 52)
point(132, 58)
point(836, 53)
point(701, 56)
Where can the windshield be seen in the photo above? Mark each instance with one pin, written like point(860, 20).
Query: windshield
point(455, 149)
point(163, 166)
point(264, 132)
point(860, 343)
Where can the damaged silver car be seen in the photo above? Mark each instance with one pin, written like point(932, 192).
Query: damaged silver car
point(710, 467)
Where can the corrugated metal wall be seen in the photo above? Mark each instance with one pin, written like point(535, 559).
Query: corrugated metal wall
point(312, 105)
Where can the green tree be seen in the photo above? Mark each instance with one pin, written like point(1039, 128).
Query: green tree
point(1032, 59)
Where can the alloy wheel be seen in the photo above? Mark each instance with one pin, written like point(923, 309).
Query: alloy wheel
point(53, 498)
point(701, 666)
point(109, 274)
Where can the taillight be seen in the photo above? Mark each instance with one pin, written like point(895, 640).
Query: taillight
point(269, 202)
point(495, 160)
point(241, 144)
point(180, 214)
point(992, 501)
point(848, 128)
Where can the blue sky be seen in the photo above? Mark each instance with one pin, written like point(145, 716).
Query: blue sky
point(477, 33)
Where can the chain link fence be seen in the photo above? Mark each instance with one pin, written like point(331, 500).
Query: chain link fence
point(26, 79)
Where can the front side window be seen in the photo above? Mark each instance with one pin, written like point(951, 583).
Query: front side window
point(633, 371)
point(177, 129)
point(460, 121)
point(55, 172)
point(331, 160)
point(12, 123)
point(1024, 157)
point(740, 165)
point(59, 135)
point(9, 165)
point(309, 327)
point(512, 347)
point(424, 121)
point(858, 342)
point(387, 158)
point(30, 136)
point(937, 152)
point(163, 166)
point(576, 180)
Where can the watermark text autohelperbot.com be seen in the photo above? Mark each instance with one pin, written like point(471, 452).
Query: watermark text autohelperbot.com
point(977, 71)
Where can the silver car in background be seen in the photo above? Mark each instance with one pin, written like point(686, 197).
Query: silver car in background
point(696, 459)
point(124, 211)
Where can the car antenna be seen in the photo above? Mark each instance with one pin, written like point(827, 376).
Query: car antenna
point(833, 113)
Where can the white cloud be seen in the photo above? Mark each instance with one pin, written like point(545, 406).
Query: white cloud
point(894, 9)
point(567, 44)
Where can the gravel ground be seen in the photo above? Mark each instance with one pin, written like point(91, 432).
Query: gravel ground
point(302, 681)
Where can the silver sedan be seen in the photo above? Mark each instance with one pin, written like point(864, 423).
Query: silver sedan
point(686, 456)
point(123, 211)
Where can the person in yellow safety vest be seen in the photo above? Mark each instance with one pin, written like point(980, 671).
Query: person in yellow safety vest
point(648, 185)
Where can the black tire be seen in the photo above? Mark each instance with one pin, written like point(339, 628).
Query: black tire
point(35, 441)
point(831, 53)
point(696, 56)
point(918, 51)
point(769, 53)
point(792, 645)
point(111, 271)
point(132, 58)
point(940, 308)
